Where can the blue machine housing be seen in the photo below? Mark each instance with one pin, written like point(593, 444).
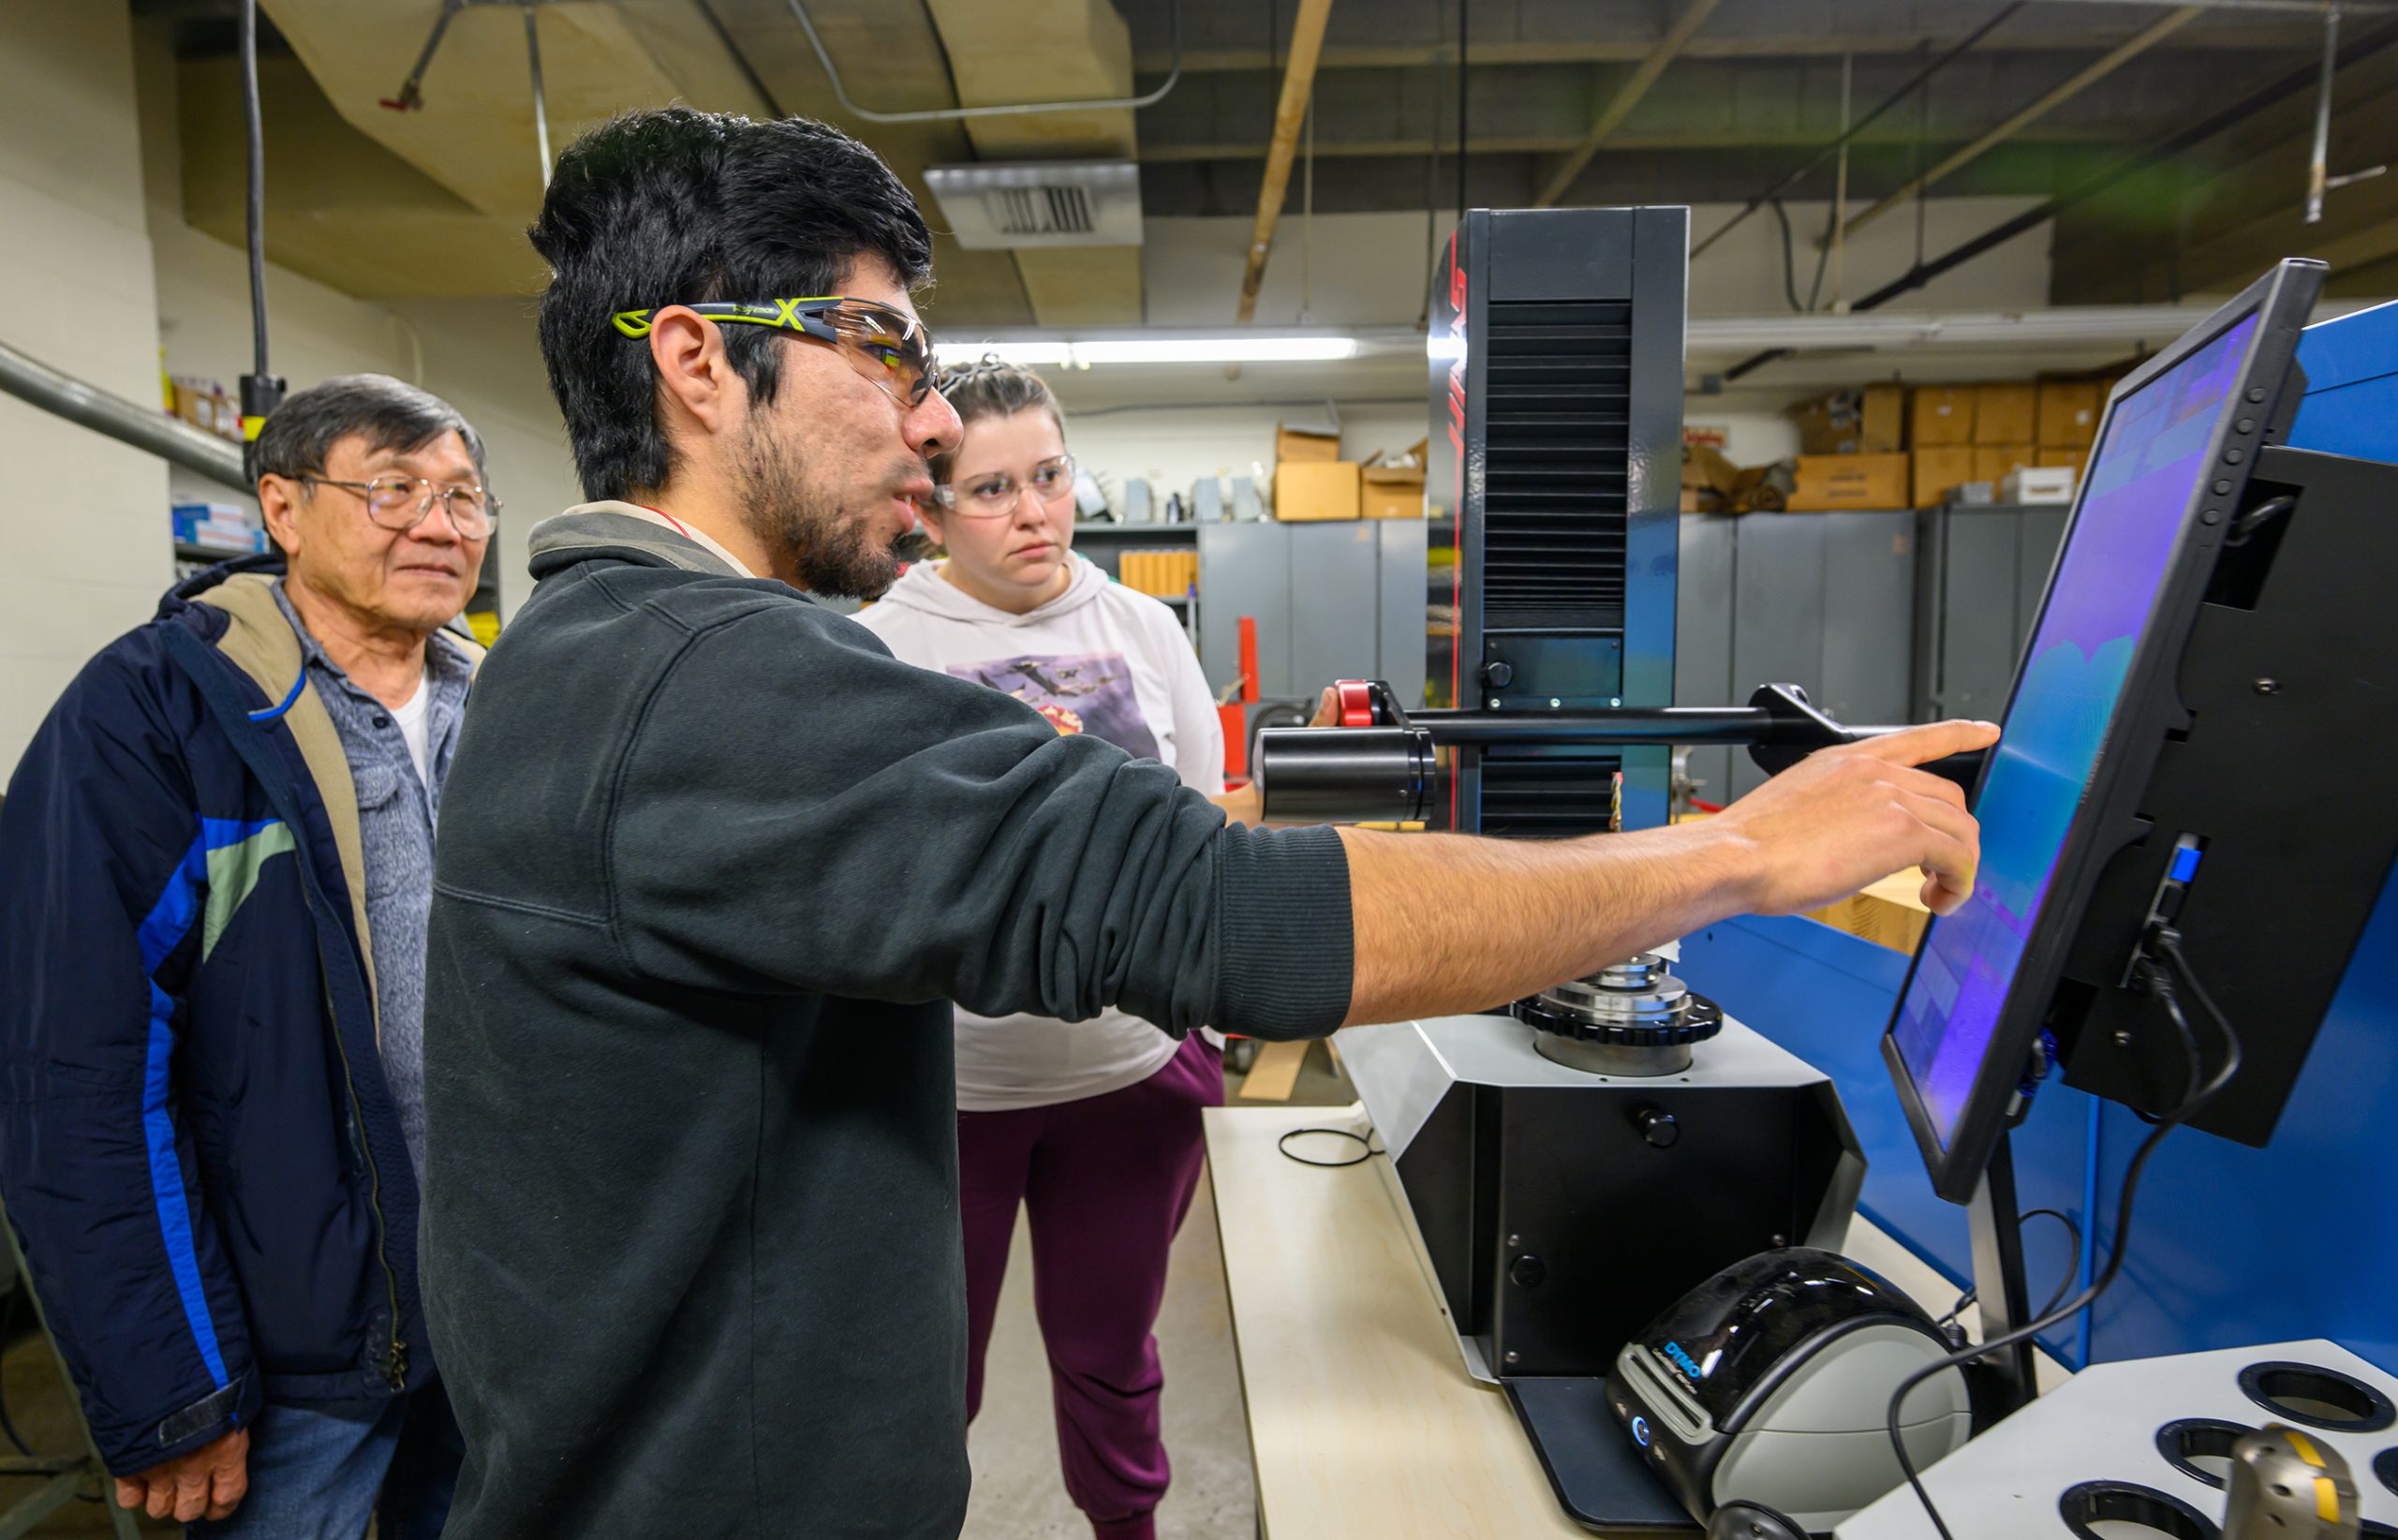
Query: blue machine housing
point(2235, 1245)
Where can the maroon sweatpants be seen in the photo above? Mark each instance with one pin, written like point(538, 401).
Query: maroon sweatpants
point(1106, 1180)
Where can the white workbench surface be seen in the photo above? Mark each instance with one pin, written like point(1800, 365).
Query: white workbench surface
point(1362, 1422)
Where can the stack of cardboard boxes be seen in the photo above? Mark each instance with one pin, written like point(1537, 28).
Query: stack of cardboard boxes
point(1889, 447)
point(1982, 433)
point(1312, 483)
point(1851, 445)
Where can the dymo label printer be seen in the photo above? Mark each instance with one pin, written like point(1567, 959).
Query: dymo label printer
point(1769, 1381)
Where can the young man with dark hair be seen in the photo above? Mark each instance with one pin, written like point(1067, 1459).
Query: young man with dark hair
point(716, 862)
point(216, 864)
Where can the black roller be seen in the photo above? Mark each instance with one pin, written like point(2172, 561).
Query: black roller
point(1357, 775)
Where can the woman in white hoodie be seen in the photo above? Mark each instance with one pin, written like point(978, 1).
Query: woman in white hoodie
point(1094, 1125)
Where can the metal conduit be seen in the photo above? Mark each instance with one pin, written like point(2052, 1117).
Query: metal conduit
point(148, 429)
point(948, 115)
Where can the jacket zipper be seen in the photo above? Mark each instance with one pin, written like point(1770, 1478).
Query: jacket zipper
point(396, 1352)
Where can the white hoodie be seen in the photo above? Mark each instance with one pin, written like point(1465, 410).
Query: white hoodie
point(1098, 659)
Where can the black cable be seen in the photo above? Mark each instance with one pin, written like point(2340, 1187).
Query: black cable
point(2090, 186)
point(1365, 1152)
point(1789, 259)
point(2072, 1267)
point(1460, 111)
point(255, 215)
point(1859, 125)
point(2162, 940)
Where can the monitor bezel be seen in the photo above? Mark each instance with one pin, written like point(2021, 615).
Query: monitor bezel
point(2107, 816)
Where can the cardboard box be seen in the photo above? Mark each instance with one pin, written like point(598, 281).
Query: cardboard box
point(1937, 469)
point(1302, 441)
point(1827, 484)
point(1940, 414)
point(1388, 493)
point(1871, 420)
point(1391, 486)
point(2006, 414)
point(1890, 913)
point(2038, 484)
point(2069, 413)
point(1991, 461)
point(2049, 455)
point(1309, 490)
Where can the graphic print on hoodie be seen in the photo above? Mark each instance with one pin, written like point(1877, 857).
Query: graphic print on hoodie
point(1079, 693)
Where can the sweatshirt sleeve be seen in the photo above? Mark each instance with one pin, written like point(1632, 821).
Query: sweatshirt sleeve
point(799, 810)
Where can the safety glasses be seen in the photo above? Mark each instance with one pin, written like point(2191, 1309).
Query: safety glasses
point(995, 495)
point(888, 345)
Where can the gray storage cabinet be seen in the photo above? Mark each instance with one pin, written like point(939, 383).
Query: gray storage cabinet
point(1341, 599)
point(1824, 600)
point(1979, 575)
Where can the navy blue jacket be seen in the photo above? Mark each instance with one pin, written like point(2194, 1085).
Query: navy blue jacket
point(197, 1146)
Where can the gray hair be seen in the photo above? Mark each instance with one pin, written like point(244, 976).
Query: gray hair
point(389, 413)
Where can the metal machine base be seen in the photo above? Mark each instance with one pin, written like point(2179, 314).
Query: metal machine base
point(1555, 1211)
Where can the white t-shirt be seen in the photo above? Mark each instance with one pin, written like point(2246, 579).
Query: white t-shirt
point(1098, 659)
point(415, 722)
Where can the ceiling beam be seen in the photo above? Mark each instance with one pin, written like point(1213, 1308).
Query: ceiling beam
point(2088, 76)
point(1298, 84)
point(2247, 37)
point(1626, 98)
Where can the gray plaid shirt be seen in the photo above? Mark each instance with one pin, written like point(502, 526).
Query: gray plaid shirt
point(396, 814)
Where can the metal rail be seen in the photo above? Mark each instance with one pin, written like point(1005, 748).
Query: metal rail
point(31, 380)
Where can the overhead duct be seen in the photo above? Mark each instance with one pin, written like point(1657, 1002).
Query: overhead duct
point(1020, 204)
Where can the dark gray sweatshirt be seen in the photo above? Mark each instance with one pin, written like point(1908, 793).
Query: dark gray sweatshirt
point(711, 866)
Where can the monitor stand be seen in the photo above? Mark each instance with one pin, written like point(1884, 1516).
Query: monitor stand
point(2005, 1382)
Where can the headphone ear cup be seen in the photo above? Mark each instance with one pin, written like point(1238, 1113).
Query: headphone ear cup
point(1752, 1522)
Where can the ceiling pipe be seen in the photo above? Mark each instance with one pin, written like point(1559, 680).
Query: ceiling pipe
point(1016, 109)
point(145, 428)
point(1902, 94)
point(2033, 218)
point(2090, 75)
point(1298, 84)
point(1626, 98)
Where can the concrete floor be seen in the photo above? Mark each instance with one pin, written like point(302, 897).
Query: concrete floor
point(37, 1405)
point(1014, 1445)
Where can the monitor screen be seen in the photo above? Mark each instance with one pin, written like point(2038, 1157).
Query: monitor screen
point(2135, 501)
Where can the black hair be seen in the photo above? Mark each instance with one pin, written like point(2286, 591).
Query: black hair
point(992, 387)
point(391, 414)
point(674, 206)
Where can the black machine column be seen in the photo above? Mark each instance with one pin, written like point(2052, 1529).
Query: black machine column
point(1555, 361)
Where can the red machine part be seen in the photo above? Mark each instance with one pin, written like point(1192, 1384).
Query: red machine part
point(1356, 699)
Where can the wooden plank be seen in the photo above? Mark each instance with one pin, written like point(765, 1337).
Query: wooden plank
point(1298, 85)
point(1274, 1072)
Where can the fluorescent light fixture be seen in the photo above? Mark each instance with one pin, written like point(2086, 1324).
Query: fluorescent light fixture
point(1214, 349)
point(1026, 353)
point(1091, 350)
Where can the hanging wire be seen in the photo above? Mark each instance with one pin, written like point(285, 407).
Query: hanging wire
point(254, 214)
point(1460, 110)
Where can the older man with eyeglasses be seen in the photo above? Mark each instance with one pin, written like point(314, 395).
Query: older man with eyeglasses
point(216, 867)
